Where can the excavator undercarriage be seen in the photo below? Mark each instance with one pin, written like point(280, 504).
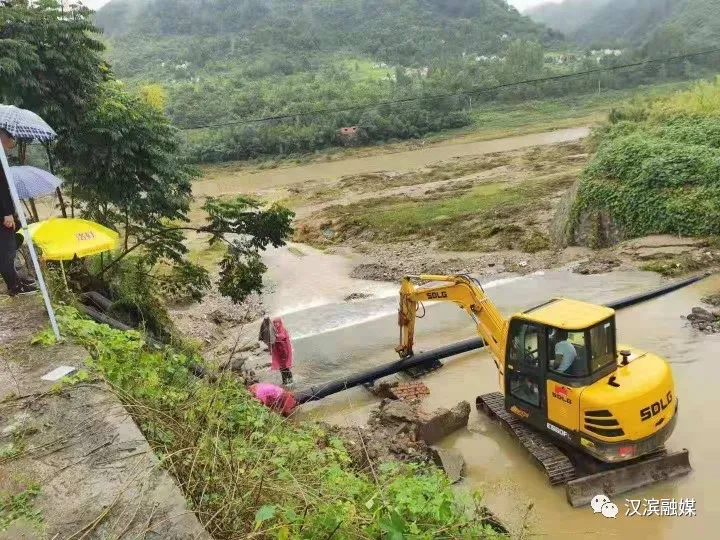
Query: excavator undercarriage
point(583, 476)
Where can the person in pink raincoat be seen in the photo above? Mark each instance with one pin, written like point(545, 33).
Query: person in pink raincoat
point(274, 397)
point(282, 354)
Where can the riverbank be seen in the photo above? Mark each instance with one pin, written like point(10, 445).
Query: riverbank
point(244, 470)
point(73, 464)
point(488, 208)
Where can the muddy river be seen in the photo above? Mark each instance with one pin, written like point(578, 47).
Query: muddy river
point(230, 182)
point(334, 338)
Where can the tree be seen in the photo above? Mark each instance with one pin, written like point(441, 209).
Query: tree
point(125, 172)
point(50, 59)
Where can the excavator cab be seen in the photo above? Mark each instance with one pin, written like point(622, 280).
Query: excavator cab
point(564, 375)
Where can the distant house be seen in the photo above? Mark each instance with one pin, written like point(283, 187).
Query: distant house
point(419, 72)
point(348, 134)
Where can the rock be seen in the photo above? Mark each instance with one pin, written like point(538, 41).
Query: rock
point(713, 300)
point(395, 410)
point(235, 365)
point(450, 460)
point(383, 389)
point(434, 426)
point(600, 265)
point(357, 296)
point(702, 314)
point(19, 422)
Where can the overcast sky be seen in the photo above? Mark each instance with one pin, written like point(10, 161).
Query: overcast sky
point(524, 4)
point(520, 4)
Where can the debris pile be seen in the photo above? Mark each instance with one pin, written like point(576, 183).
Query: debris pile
point(398, 430)
point(704, 320)
point(410, 390)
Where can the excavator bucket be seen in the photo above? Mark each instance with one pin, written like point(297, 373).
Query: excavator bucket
point(623, 479)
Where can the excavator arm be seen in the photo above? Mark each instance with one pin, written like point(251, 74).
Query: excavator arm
point(463, 291)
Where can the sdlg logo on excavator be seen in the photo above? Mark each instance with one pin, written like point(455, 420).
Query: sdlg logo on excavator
point(436, 295)
point(656, 408)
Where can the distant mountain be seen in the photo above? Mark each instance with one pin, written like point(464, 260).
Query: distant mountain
point(635, 22)
point(566, 17)
point(395, 31)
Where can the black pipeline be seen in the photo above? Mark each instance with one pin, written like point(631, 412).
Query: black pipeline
point(315, 393)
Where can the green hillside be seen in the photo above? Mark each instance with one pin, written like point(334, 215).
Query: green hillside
point(566, 17)
point(216, 62)
point(635, 22)
point(293, 32)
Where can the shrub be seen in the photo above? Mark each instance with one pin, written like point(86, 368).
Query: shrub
point(659, 172)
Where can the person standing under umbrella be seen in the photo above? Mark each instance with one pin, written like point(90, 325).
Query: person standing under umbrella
point(8, 242)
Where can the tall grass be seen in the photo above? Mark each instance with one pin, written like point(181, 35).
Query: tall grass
point(248, 473)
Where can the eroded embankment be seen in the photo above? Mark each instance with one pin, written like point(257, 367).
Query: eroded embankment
point(73, 464)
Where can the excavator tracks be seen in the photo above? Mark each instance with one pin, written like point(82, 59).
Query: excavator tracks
point(583, 476)
point(557, 465)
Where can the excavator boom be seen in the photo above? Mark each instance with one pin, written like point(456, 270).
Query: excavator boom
point(464, 291)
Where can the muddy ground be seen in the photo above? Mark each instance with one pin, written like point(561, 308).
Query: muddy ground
point(488, 214)
point(73, 464)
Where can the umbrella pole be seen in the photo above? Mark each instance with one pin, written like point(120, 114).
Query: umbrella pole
point(62, 202)
point(35, 216)
point(62, 269)
point(52, 170)
point(31, 245)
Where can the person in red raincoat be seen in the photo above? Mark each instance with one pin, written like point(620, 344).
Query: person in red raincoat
point(274, 397)
point(282, 354)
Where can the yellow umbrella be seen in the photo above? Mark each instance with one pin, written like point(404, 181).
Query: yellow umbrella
point(63, 239)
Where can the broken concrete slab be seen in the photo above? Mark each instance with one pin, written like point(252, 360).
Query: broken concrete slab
point(395, 410)
point(450, 460)
point(383, 388)
point(58, 373)
point(434, 426)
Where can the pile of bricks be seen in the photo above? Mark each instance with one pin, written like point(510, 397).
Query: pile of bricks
point(410, 390)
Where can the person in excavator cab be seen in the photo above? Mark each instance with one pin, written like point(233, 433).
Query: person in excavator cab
point(565, 353)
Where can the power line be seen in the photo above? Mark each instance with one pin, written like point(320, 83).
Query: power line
point(552, 78)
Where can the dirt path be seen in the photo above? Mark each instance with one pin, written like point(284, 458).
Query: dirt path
point(229, 182)
point(74, 461)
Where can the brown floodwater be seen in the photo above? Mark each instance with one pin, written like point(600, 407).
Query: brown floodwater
point(363, 334)
point(245, 180)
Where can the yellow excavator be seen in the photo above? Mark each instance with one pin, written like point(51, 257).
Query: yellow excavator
point(594, 414)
